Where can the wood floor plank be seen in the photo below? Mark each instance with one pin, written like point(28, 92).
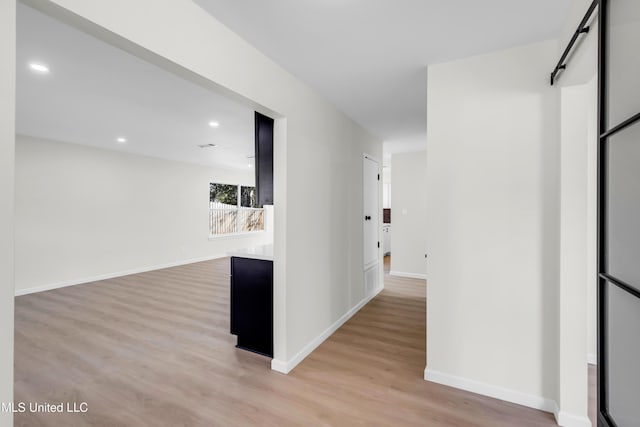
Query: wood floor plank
point(154, 349)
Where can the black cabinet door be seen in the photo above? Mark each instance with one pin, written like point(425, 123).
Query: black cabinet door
point(264, 158)
point(252, 304)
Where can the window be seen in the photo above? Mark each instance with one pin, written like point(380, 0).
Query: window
point(233, 210)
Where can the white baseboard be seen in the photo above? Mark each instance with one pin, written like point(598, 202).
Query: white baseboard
point(531, 401)
point(408, 275)
point(84, 280)
point(592, 359)
point(565, 419)
point(285, 367)
point(280, 366)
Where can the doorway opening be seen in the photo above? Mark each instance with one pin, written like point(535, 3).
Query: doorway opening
point(386, 217)
point(134, 183)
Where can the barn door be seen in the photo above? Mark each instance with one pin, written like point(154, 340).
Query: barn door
point(619, 215)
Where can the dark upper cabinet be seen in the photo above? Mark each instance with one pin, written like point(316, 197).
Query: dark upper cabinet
point(386, 216)
point(264, 158)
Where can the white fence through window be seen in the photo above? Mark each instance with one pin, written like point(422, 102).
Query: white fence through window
point(229, 219)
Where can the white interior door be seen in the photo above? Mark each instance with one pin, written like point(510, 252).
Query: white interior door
point(371, 214)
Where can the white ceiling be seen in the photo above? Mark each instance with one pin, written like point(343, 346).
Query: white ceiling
point(369, 57)
point(96, 93)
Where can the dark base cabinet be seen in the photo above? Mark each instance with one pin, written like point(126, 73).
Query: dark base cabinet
point(252, 304)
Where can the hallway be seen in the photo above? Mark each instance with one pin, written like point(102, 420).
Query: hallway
point(156, 347)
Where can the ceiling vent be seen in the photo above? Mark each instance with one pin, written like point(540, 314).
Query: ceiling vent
point(207, 145)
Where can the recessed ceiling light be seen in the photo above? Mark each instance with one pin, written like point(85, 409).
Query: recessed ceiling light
point(39, 68)
point(214, 124)
point(121, 140)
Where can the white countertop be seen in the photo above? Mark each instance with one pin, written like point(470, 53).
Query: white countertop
point(263, 252)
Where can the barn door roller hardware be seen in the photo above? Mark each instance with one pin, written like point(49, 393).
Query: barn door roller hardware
point(583, 28)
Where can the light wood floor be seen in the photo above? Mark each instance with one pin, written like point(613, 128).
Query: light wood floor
point(154, 349)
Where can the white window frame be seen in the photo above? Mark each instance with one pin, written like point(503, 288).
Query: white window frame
point(238, 227)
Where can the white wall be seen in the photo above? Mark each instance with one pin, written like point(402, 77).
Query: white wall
point(386, 187)
point(582, 71)
point(408, 207)
point(7, 136)
point(493, 225)
point(577, 252)
point(578, 198)
point(318, 160)
point(84, 213)
point(592, 220)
